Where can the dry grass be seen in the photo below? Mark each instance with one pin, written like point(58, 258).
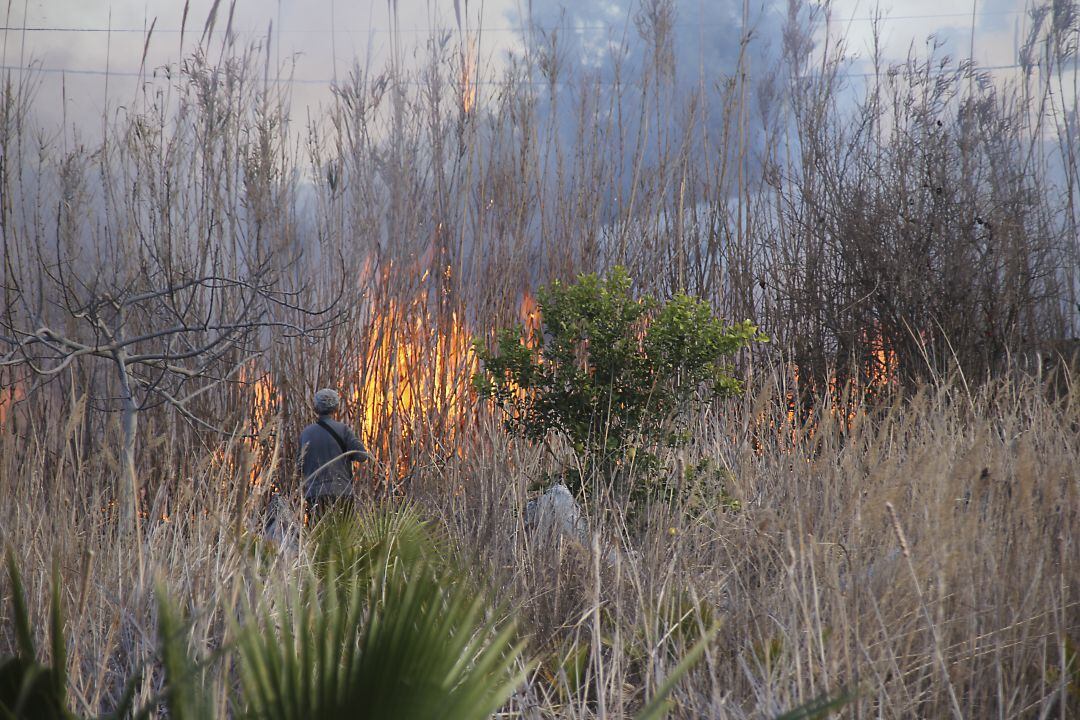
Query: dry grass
point(962, 603)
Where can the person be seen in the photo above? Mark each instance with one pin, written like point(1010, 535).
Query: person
point(328, 448)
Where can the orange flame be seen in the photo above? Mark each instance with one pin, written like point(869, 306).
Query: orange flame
point(412, 374)
point(9, 396)
point(530, 315)
point(882, 366)
point(469, 61)
point(408, 381)
point(264, 402)
point(847, 400)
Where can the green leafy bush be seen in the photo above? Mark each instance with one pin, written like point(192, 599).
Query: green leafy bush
point(610, 371)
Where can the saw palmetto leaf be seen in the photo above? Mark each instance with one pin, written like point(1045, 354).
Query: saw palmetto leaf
point(385, 628)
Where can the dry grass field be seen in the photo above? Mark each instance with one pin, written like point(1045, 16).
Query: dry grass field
point(922, 561)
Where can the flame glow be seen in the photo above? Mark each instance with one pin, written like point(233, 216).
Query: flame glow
point(264, 405)
point(9, 396)
point(845, 401)
point(469, 62)
point(414, 377)
point(882, 367)
point(407, 384)
point(530, 315)
point(265, 401)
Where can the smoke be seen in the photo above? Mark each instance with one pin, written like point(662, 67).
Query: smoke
point(705, 37)
point(656, 77)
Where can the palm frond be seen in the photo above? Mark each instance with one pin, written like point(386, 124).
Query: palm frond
point(660, 703)
point(383, 628)
point(820, 707)
point(186, 692)
point(28, 687)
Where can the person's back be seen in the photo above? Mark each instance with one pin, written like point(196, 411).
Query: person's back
point(328, 448)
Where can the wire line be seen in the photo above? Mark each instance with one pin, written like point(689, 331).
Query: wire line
point(488, 29)
point(315, 81)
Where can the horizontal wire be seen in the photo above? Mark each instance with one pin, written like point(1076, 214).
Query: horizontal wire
point(485, 29)
point(314, 81)
point(328, 81)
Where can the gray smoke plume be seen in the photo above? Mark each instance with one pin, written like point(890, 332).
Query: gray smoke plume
point(663, 66)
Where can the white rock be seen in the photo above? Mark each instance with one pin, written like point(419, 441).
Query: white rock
point(282, 528)
point(556, 515)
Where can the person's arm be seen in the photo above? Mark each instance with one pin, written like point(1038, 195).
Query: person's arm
point(301, 457)
point(357, 451)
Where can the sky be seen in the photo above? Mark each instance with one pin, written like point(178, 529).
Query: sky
point(74, 42)
point(71, 42)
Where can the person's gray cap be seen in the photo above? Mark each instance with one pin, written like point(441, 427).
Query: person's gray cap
point(326, 401)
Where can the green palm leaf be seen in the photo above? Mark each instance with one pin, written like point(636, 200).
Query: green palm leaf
point(379, 631)
point(28, 688)
point(820, 707)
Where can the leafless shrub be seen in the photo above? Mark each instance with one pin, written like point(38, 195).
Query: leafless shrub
point(920, 232)
point(149, 290)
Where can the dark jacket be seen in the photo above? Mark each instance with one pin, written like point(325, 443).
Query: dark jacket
point(327, 471)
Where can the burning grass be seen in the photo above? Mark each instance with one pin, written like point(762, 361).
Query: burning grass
point(962, 602)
